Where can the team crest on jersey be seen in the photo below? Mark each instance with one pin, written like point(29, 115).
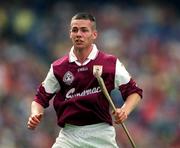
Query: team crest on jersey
point(97, 70)
point(68, 78)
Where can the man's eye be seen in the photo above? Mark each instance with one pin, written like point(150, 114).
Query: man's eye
point(84, 30)
point(74, 30)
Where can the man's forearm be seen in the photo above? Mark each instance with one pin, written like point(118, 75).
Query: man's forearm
point(131, 102)
point(36, 108)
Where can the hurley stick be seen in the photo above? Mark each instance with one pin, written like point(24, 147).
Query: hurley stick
point(105, 92)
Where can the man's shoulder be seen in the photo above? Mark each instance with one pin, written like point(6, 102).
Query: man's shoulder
point(61, 61)
point(107, 56)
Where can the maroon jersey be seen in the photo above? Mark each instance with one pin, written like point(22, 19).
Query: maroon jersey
point(78, 99)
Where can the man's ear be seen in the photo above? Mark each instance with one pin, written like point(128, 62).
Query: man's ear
point(95, 34)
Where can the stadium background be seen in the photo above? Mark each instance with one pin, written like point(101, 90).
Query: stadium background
point(144, 35)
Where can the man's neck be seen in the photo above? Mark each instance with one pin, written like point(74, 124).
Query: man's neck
point(82, 54)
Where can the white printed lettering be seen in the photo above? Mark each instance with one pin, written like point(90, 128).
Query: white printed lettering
point(71, 94)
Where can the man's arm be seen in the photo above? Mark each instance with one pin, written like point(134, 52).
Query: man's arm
point(129, 105)
point(130, 92)
point(36, 114)
point(45, 92)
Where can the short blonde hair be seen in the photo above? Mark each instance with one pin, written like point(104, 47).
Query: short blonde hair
point(85, 16)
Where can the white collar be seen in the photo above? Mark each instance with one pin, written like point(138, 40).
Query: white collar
point(91, 56)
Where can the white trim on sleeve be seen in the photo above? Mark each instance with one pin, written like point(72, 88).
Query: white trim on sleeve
point(121, 74)
point(50, 83)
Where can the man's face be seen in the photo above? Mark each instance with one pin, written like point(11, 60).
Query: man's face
point(82, 33)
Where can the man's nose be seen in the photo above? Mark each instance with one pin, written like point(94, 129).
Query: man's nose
point(79, 32)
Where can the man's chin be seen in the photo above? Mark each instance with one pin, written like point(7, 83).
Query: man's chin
point(79, 46)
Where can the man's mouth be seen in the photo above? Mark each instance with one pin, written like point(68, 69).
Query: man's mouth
point(78, 41)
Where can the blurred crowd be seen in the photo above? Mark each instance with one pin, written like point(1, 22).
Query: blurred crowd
point(145, 38)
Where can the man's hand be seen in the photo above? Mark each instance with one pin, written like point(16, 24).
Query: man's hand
point(34, 120)
point(120, 115)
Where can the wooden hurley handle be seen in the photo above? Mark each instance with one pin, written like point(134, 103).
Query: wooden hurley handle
point(105, 92)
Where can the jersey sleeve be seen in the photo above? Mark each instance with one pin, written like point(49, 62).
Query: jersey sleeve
point(121, 74)
point(124, 81)
point(47, 89)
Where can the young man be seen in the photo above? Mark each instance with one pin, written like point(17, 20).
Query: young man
point(82, 109)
